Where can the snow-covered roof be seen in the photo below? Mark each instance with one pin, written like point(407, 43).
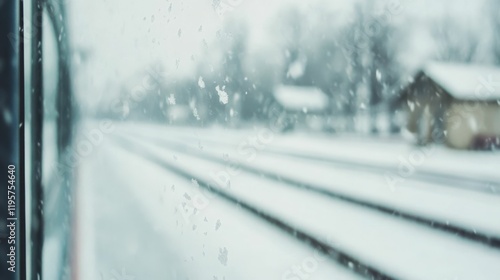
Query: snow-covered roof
point(296, 98)
point(466, 81)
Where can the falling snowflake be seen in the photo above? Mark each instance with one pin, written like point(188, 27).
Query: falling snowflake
point(171, 99)
point(223, 256)
point(411, 105)
point(296, 70)
point(195, 114)
point(223, 97)
point(378, 75)
point(201, 83)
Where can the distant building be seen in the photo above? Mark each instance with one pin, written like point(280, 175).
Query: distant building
point(455, 104)
point(302, 107)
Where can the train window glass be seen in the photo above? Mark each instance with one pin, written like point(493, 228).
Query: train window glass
point(286, 139)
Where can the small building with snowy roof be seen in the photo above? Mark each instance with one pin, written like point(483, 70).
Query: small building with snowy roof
point(302, 107)
point(455, 104)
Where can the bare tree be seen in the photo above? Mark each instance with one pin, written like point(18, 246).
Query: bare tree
point(455, 43)
point(354, 44)
point(233, 70)
point(289, 31)
point(383, 69)
point(371, 50)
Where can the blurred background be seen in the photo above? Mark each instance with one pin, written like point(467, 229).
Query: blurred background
point(228, 62)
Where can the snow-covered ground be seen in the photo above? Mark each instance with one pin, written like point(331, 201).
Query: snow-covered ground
point(132, 224)
point(450, 204)
point(143, 210)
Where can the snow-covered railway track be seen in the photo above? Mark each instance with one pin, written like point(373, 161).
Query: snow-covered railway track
point(378, 246)
point(336, 254)
point(462, 230)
